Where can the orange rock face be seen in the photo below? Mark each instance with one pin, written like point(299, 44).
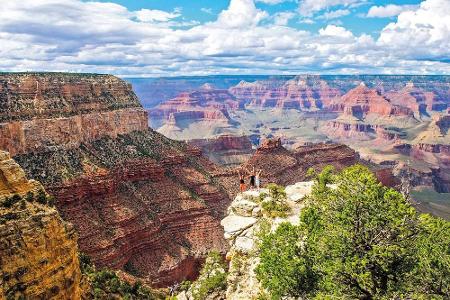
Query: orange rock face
point(64, 110)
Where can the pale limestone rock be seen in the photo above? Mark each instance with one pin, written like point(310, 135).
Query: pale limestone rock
point(234, 225)
point(243, 207)
point(244, 244)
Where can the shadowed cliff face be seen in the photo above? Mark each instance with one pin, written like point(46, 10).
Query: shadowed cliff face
point(38, 250)
point(139, 201)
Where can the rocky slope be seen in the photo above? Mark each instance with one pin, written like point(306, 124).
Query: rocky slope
point(283, 166)
point(38, 250)
point(139, 201)
point(225, 149)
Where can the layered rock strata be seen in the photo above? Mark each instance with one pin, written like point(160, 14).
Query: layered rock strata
point(38, 111)
point(139, 201)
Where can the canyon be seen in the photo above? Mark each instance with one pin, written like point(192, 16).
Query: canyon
point(138, 201)
point(398, 120)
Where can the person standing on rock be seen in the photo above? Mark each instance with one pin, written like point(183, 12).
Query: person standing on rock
point(242, 186)
point(252, 177)
point(258, 179)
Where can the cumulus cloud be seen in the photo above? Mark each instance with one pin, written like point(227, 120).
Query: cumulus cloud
point(241, 13)
point(335, 31)
point(388, 11)
point(422, 34)
point(82, 36)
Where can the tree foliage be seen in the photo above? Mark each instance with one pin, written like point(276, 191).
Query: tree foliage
point(275, 204)
point(213, 277)
point(360, 240)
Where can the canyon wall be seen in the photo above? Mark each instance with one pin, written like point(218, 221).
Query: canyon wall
point(38, 250)
point(140, 202)
point(54, 110)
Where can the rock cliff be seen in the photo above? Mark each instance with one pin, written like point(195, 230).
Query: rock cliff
point(38, 250)
point(38, 111)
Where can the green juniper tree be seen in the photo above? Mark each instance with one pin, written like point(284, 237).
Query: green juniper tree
point(360, 240)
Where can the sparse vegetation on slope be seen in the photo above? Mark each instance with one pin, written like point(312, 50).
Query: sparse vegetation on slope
point(360, 240)
point(105, 284)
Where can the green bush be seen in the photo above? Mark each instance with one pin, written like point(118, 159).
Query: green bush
point(10, 201)
point(42, 197)
point(29, 197)
point(213, 277)
point(276, 205)
point(358, 241)
point(106, 284)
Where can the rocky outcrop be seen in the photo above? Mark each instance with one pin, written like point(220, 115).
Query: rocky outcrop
point(241, 226)
point(285, 167)
point(225, 149)
point(38, 250)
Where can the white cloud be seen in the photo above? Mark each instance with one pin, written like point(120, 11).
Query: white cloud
point(153, 15)
point(103, 37)
point(283, 18)
point(329, 15)
point(421, 34)
point(390, 10)
point(241, 13)
point(335, 31)
point(207, 10)
point(310, 7)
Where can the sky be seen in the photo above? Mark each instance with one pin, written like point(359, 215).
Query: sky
point(151, 38)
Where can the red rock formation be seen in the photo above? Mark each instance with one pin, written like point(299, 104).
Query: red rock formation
point(410, 96)
point(302, 92)
point(205, 104)
point(361, 101)
point(288, 167)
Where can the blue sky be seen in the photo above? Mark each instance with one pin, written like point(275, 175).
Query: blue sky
point(187, 37)
point(207, 11)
